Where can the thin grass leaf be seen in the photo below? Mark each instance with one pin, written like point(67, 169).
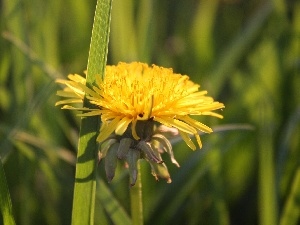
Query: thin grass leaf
point(267, 194)
point(5, 202)
point(239, 47)
point(221, 212)
point(31, 55)
point(145, 29)
point(85, 178)
point(287, 133)
point(291, 210)
point(196, 167)
point(204, 24)
point(123, 25)
point(111, 205)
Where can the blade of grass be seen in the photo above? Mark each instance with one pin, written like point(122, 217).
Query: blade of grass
point(5, 202)
point(287, 133)
point(124, 48)
point(111, 205)
point(39, 98)
point(267, 191)
point(31, 55)
point(204, 24)
point(165, 200)
point(239, 46)
point(220, 210)
point(145, 30)
point(85, 178)
point(291, 210)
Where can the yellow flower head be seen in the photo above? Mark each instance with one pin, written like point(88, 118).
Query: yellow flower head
point(135, 91)
point(131, 95)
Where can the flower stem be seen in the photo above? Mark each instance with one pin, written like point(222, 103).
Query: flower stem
point(136, 200)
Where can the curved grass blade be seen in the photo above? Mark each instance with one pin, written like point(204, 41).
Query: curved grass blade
point(5, 202)
point(111, 205)
point(239, 46)
point(291, 210)
point(85, 178)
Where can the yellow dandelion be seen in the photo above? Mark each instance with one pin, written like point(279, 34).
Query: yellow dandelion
point(136, 91)
point(132, 94)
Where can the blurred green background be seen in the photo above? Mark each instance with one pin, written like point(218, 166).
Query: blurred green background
point(245, 53)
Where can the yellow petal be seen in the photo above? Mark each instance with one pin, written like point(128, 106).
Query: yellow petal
point(196, 124)
point(89, 91)
point(187, 140)
point(122, 126)
point(177, 124)
point(107, 129)
point(92, 113)
point(77, 78)
point(198, 140)
point(74, 87)
point(213, 114)
point(149, 106)
point(66, 94)
point(68, 101)
point(133, 130)
point(76, 108)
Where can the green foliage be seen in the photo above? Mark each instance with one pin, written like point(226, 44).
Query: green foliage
point(5, 202)
point(245, 53)
point(85, 177)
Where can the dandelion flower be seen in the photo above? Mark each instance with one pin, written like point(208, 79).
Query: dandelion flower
point(131, 100)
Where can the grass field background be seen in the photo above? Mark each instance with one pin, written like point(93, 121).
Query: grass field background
point(245, 53)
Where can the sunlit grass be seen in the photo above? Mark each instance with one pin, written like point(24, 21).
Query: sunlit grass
point(245, 53)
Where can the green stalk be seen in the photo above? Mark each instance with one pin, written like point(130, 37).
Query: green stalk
point(266, 177)
point(291, 209)
point(136, 200)
point(85, 177)
point(5, 202)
